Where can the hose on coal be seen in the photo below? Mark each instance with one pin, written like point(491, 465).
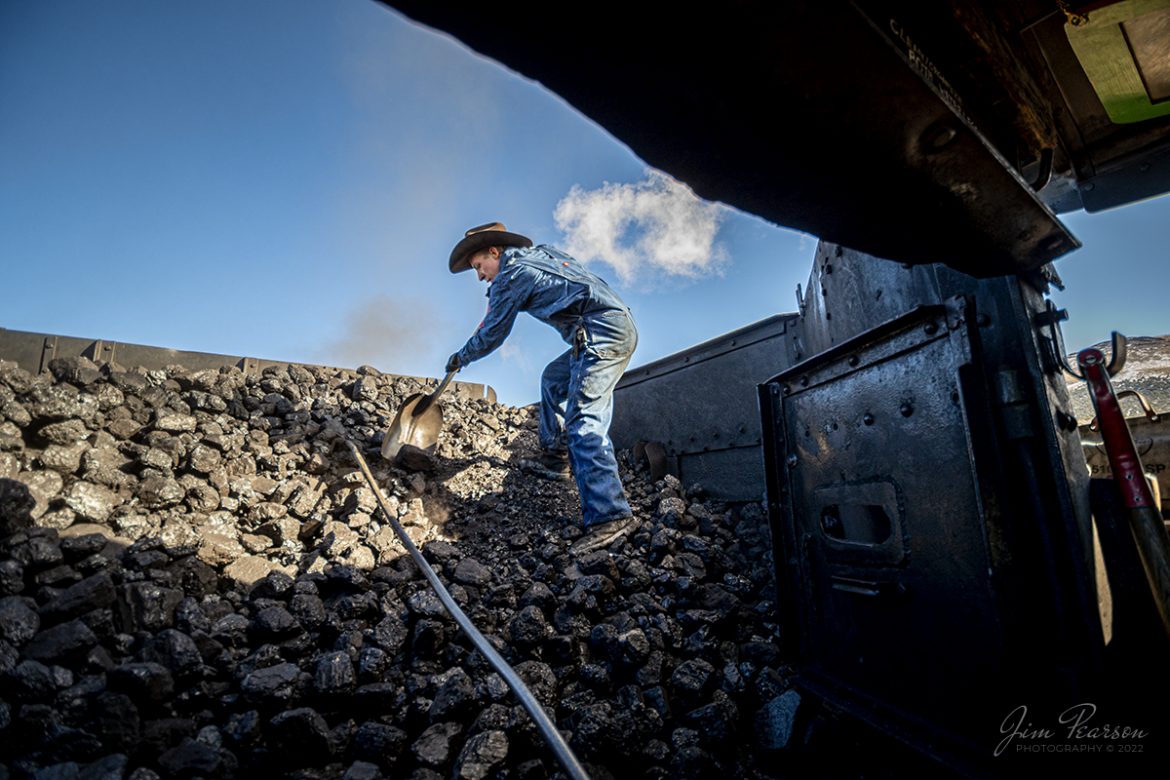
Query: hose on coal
point(547, 728)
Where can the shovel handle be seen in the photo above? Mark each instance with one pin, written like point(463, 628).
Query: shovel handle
point(425, 403)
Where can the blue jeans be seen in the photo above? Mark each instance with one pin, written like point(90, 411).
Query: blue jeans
point(576, 407)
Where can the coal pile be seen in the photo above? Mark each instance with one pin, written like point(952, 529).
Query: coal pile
point(196, 582)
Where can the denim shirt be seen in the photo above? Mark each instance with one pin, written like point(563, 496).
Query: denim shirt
point(548, 284)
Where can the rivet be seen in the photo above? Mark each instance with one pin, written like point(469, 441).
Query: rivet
point(792, 460)
point(867, 418)
point(931, 328)
point(854, 360)
point(804, 381)
point(906, 409)
point(938, 137)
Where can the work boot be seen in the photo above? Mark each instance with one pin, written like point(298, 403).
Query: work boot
point(604, 534)
point(551, 464)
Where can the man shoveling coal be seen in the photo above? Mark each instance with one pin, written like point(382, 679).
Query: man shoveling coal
point(576, 389)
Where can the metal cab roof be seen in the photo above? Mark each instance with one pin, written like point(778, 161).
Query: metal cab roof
point(924, 132)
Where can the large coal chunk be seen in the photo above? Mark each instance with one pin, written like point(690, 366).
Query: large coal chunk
point(690, 681)
point(777, 721)
point(174, 650)
point(19, 621)
point(16, 506)
point(36, 550)
point(273, 686)
point(481, 755)
point(274, 623)
point(147, 606)
point(145, 682)
point(61, 643)
point(300, 737)
point(454, 698)
point(334, 675)
point(435, 747)
point(115, 718)
point(30, 681)
point(378, 743)
point(95, 592)
point(528, 628)
point(195, 759)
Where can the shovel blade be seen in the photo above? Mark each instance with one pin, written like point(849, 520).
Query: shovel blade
point(421, 431)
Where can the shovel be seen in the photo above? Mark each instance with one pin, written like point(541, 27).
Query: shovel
point(417, 423)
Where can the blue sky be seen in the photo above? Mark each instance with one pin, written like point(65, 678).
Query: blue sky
point(285, 179)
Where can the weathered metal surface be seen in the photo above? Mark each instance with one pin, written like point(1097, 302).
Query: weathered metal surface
point(849, 292)
point(1152, 440)
point(33, 351)
point(870, 538)
point(923, 461)
point(700, 404)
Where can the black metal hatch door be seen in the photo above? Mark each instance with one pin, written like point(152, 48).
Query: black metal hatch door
point(883, 557)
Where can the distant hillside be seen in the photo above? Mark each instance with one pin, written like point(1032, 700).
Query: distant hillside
point(1147, 370)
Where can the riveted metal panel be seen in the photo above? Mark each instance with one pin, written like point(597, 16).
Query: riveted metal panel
point(879, 529)
point(700, 404)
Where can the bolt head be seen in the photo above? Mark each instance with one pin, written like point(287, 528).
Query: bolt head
point(939, 137)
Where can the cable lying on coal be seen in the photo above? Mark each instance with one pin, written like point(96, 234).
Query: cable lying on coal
point(547, 728)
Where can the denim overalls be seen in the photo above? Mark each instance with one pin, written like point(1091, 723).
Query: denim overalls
point(576, 389)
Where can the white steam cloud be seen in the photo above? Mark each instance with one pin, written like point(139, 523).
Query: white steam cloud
point(655, 224)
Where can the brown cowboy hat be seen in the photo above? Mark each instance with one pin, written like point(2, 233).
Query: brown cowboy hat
point(481, 237)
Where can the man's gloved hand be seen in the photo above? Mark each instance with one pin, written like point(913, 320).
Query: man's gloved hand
point(453, 363)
